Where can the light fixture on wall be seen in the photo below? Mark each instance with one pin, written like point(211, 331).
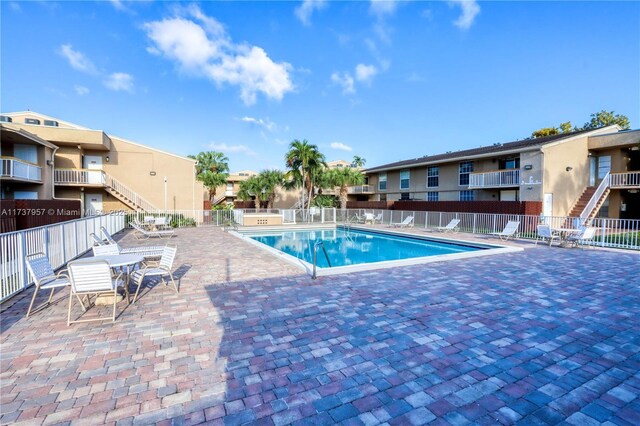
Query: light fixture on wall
point(569, 168)
point(49, 162)
point(528, 167)
point(107, 158)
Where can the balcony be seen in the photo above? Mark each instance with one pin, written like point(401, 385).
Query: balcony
point(80, 177)
point(20, 170)
point(627, 180)
point(498, 179)
point(361, 189)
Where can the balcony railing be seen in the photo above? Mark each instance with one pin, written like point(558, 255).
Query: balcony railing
point(14, 168)
point(360, 189)
point(79, 177)
point(625, 180)
point(499, 179)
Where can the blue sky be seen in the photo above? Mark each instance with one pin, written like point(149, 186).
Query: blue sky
point(383, 80)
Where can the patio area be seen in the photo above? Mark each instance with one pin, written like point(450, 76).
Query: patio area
point(541, 336)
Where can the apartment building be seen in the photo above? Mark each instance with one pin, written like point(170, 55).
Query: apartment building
point(596, 170)
point(47, 158)
point(228, 193)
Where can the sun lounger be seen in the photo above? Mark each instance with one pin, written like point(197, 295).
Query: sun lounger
point(451, 226)
point(406, 223)
point(143, 233)
point(509, 231)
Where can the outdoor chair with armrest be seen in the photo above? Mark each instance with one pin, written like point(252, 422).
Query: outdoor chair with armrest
point(546, 233)
point(92, 277)
point(44, 278)
point(160, 269)
point(585, 237)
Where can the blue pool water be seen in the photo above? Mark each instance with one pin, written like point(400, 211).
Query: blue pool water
point(354, 246)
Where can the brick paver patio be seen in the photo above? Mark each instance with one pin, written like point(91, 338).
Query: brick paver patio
point(543, 336)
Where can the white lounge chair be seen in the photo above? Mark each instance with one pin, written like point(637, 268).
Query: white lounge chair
point(406, 223)
point(451, 226)
point(369, 218)
point(44, 278)
point(160, 269)
point(509, 231)
point(162, 223)
point(143, 233)
point(90, 277)
point(586, 237)
point(378, 219)
point(545, 233)
point(148, 251)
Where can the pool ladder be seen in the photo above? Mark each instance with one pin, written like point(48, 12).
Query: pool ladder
point(316, 246)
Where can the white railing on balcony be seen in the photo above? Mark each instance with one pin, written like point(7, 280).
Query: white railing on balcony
point(18, 169)
point(502, 178)
point(79, 177)
point(360, 189)
point(625, 180)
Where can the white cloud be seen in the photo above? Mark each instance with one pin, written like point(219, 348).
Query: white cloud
point(365, 73)
point(223, 147)
point(200, 45)
point(118, 5)
point(345, 81)
point(305, 10)
point(340, 146)
point(77, 60)
point(267, 124)
point(470, 10)
point(81, 90)
point(119, 81)
point(15, 6)
point(383, 7)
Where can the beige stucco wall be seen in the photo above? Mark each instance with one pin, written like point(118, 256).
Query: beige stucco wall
point(566, 186)
point(68, 158)
point(532, 188)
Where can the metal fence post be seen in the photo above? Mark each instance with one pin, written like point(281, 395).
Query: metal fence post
point(473, 229)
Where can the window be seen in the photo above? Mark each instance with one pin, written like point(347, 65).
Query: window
point(50, 123)
point(31, 121)
point(5, 119)
point(509, 163)
point(405, 196)
point(466, 195)
point(432, 196)
point(432, 177)
point(404, 179)
point(604, 166)
point(466, 167)
point(382, 182)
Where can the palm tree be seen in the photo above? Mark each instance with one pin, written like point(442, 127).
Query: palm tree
point(251, 188)
point(358, 161)
point(344, 177)
point(304, 160)
point(270, 181)
point(212, 170)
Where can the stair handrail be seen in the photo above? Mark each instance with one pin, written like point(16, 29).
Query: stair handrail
point(317, 245)
point(128, 193)
point(217, 200)
point(595, 198)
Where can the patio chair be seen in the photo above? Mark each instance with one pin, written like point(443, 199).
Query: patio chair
point(143, 233)
point(545, 233)
point(452, 226)
point(148, 251)
point(378, 219)
point(509, 231)
point(369, 218)
point(44, 278)
point(162, 223)
point(406, 223)
point(160, 269)
point(96, 240)
point(586, 237)
point(90, 277)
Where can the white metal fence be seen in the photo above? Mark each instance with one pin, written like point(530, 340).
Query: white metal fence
point(61, 243)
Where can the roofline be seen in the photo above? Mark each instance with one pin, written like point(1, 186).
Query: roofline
point(490, 154)
point(29, 135)
point(77, 126)
point(194, 161)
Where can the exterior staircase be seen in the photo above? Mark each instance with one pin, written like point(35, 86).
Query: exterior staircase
point(579, 206)
point(126, 194)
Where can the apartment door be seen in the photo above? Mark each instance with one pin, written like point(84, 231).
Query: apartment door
point(93, 204)
point(592, 171)
point(93, 162)
point(547, 205)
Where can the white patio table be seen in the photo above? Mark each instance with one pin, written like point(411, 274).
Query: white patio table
point(119, 261)
point(565, 233)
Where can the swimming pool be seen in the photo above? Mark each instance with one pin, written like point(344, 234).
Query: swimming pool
point(353, 249)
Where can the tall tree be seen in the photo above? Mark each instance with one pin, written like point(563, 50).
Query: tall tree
point(212, 170)
point(251, 188)
point(607, 118)
point(566, 127)
point(343, 178)
point(545, 131)
point(270, 181)
point(358, 161)
point(304, 162)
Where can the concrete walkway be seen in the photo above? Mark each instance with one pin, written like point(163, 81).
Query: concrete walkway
point(543, 336)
